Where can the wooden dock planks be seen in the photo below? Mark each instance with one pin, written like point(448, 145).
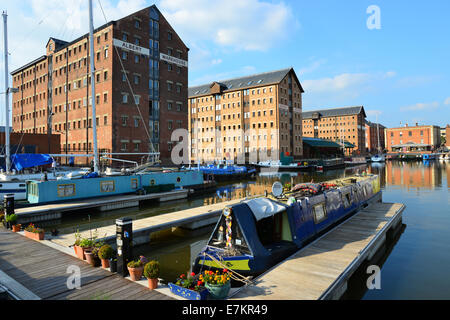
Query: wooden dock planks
point(156, 223)
point(43, 271)
point(312, 271)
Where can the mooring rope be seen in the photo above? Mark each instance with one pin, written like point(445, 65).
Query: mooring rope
point(234, 275)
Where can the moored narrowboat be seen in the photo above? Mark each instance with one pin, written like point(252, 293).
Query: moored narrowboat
point(256, 234)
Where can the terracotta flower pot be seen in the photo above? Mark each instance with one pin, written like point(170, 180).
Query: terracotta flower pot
point(79, 252)
point(152, 283)
point(34, 236)
point(84, 251)
point(105, 263)
point(92, 259)
point(16, 227)
point(135, 273)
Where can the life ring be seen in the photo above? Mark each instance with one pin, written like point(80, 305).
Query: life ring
point(152, 182)
point(178, 179)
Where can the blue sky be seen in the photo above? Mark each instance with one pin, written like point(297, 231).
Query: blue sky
point(400, 72)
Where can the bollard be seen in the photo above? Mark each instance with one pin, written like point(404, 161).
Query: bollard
point(124, 240)
point(8, 207)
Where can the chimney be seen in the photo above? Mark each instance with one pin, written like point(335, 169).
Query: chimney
point(417, 124)
point(406, 124)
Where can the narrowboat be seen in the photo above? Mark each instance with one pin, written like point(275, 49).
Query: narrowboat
point(226, 172)
point(256, 234)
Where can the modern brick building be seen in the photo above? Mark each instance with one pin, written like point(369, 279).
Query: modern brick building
point(447, 136)
point(374, 133)
point(416, 139)
point(250, 118)
point(337, 124)
point(54, 90)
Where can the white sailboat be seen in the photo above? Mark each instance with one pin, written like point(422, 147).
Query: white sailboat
point(379, 157)
point(12, 181)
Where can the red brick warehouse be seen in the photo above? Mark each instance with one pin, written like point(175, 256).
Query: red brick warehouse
point(54, 89)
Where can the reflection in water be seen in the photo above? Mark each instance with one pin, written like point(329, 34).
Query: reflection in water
point(415, 266)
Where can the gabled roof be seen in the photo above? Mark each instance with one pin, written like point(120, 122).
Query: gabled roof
point(250, 81)
point(335, 112)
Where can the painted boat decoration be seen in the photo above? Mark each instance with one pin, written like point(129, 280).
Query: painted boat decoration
point(254, 235)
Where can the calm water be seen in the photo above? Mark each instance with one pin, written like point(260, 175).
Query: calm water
point(414, 266)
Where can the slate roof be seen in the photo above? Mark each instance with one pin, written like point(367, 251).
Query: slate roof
point(250, 81)
point(335, 112)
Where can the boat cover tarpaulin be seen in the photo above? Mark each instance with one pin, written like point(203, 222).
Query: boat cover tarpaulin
point(264, 208)
point(22, 161)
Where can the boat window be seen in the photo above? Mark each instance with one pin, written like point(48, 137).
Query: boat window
point(320, 212)
point(346, 199)
point(21, 185)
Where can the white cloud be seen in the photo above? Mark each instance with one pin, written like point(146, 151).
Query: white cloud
point(374, 113)
point(207, 78)
point(311, 67)
point(421, 106)
point(235, 24)
point(447, 101)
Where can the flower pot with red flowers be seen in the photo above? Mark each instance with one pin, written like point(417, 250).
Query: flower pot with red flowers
point(16, 227)
point(217, 283)
point(151, 272)
point(135, 269)
point(34, 233)
point(105, 253)
point(92, 257)
point(190, 287)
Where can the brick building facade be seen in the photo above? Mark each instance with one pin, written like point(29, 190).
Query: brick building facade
point(414, 139)
point(55, 95)
point(337, 124)
point(249, 118)
point(374, 134)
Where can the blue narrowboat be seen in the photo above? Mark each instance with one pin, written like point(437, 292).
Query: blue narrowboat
point(39, 192)
point(254, 235)
point(226, 172)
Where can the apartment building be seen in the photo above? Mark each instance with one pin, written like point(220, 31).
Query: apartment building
point(415, 139)
point(338, 124)
point(141, 77)
point(374, 135)
point(249, 118)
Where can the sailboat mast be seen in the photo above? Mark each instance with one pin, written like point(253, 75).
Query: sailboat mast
point(92, 59)
point(7, 142)
point(378, 135)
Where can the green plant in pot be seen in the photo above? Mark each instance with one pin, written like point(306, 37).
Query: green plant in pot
point(86, 244)
point(135, 269)
point(11, 220)
point(92, 257)
point(76, 246)
point(105, 253)
point(151, 272)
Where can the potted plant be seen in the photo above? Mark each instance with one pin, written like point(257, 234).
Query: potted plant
point(76, 246)
point(135, 269)
point(16, 227)
point(218, 284)
point(113, 264)
point(105, 253)
point(34, 233)
point(11, 221)
point(151, 272)
point(92, 257)
point(191, 287)
point(86, 245)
